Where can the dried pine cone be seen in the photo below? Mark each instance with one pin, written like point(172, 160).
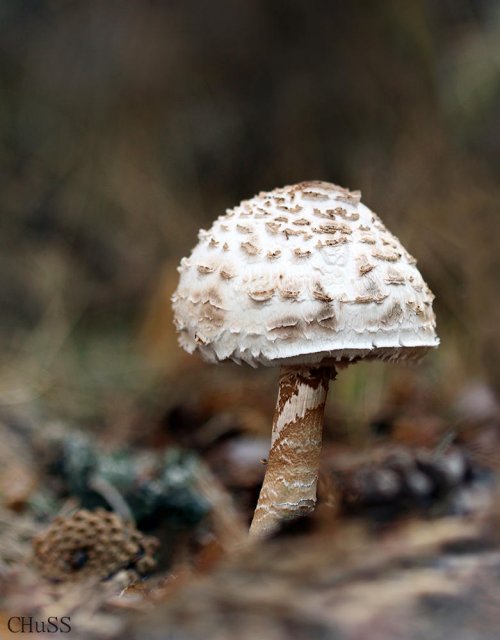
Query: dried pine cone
point(405, 478)
point(92, 544)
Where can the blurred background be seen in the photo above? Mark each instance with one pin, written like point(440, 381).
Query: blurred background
point(126, 126)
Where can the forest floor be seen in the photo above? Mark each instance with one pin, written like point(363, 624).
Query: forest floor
point(404, 542)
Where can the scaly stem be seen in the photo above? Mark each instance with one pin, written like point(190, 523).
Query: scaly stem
point(289, 487)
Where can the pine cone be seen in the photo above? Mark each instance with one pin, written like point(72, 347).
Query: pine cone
point(404, 478)
point(92, 544)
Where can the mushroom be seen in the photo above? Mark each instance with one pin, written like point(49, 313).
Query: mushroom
point(309, 280)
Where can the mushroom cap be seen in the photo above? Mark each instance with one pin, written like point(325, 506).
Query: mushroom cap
point(304, 274)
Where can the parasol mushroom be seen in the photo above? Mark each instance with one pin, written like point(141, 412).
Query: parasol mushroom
point(308, 279)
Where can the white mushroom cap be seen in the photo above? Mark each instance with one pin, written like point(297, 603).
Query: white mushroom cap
point(302, 275)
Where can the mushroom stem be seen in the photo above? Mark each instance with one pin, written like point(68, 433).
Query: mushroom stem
point(289, 488)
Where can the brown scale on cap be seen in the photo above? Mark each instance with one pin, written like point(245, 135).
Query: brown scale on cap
point(273, 255)
point(370, 291)
point(389, 256)
point(352, 217)
point(261, 213)
point(353, 197)
point(92, 544)
point(272, 227)
point(332, 242)
point(283, 321)
point(301, 253)
point(314, 195)
point(416, 308)
point(329, 214)
point(261, 295)
point(333, 228)
point(250, 248)
point(213, 297)
point(394, 276)
point(364, 265)
point(393, 315)
point(288, 293)
point(327, 317)
point(320, 294)
point(288, 331)
point(292, 232)
point(212, 315)
point(205, 269)
point(226, 273)
point(371, 298)
point(367, 239)
point(244, 228)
